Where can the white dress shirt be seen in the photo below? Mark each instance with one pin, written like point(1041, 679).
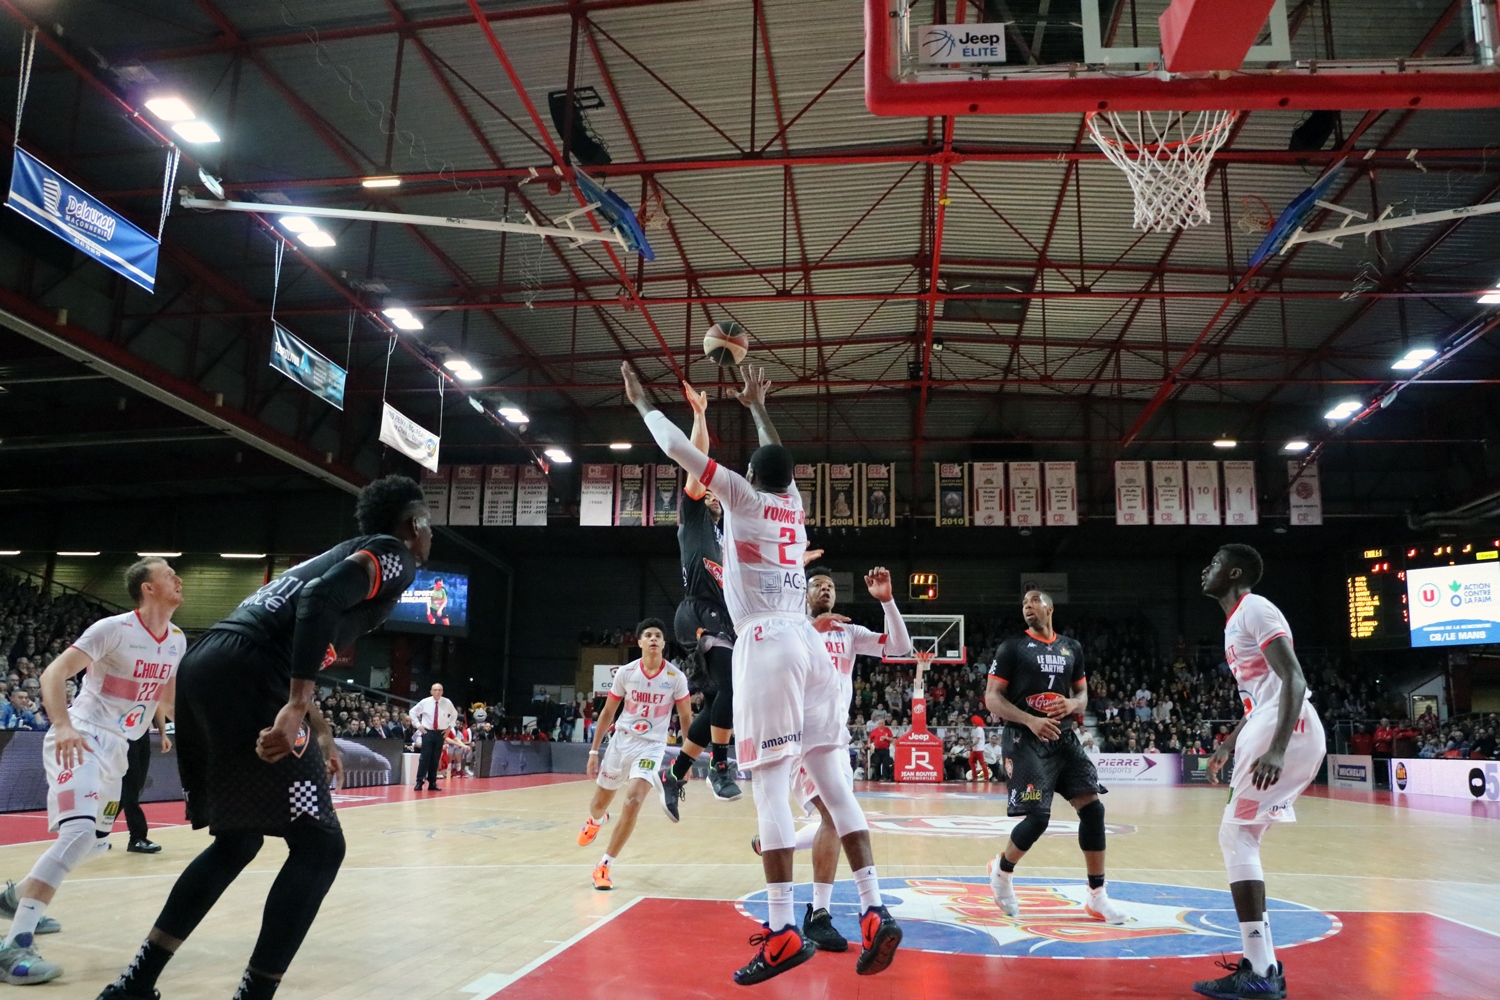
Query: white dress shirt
point(422, 716)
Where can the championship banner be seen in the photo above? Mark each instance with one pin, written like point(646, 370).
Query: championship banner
point(596, 496)
point(1130, 493)
point(1305, 494)
point(1025, 494)
point(1203, 492)
point(630, 496)
point(70, 213)
point(531, 497)
point(1240, 504)
point(879, 493)
point(306, 367)
point(666, 494)
point(435, 492)
point(952, 507)
point(989, 493)
point(408, 437)
point(809, 482)
point(1062, 494)
point(1168, 501)
point(843, 494)
point(499, 496)
point(468, 487)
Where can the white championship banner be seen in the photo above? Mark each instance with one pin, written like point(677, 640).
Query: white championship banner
point(989, 494)
point(1305, 499)
point(1355, 772)
point(596, 497)
point(1446, 778)
point(1025, 494)
point(435, 490)
point(809, 480)
point(465, 499)
point(499, 496)
point(1131, 491)
point(531, 497)
point(1139, 768)
point(630, 496)
point(1241, 506)
point(1062, 494)
point(1203, 493)
point(1168, 496)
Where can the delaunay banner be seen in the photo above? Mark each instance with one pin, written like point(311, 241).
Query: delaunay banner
point(305, 366)
point(408, 437)
point(56, 204)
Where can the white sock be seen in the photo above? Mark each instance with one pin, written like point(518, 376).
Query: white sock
point(28, 915)
point(779, 895)
point(1257, 942)
point(608, 859)
point(1266, 918)
point(805, 837)
point(869, 888)
point(822, 895)
point(101, 846)
point(597, 820)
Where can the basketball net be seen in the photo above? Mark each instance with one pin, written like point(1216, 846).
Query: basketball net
point(1165, 157)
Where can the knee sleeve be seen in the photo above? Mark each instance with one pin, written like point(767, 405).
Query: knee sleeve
point(721, 670)
point(314, 854)
point(828, 776)
point(1029, 830)
point(1091, 826)
point(1240, 843)
point(74, 843)
point(772, 787)
point(700, 732)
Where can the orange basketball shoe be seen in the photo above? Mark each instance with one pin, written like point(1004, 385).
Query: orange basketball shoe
point(590, 830)
point(602, 880)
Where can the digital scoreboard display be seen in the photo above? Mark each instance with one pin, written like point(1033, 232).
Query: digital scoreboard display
point(1427, 594)
point(437, 603)
point(1376, 584)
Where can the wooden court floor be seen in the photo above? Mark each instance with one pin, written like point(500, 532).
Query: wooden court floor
point(482, 891)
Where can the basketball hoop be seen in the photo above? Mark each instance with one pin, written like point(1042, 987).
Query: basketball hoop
point(1165, 156)
point(1255, 217)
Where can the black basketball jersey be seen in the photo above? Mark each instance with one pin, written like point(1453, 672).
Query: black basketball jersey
point(700, 542)
point(1031, 667)
point(270, 614)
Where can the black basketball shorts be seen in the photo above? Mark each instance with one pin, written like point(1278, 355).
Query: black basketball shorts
point(1037, 770)
point(695, 614)
point(229, 688)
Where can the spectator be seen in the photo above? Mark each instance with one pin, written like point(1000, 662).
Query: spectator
point(881, 738)
point(1385, 736)
point(16, 713)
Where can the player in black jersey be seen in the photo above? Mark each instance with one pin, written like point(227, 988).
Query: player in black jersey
point(255, 754)
point(1038, 688)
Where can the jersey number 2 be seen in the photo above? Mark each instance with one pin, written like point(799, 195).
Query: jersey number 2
point(789, 537)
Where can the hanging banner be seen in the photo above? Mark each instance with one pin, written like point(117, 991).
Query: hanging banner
point(843, 495)
point(596, 496)
point(1168, 502)
point(1062, 494)
point(1305, 494)
point(1203, 493)
point(666, 494)
point(1130, 493)
point(1240, 505)
point(499, 496)
point(306, 367)
point(468, 487)
point(70, 213)
point(809, 484)
point(630, 496)
point(952, 507)
point(989, 493)
point(879, 495)
point(435, 489)
point(531, 497)
point(1025, 494)
point(408, 437)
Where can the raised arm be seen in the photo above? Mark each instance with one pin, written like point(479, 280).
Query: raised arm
point(897, 639)
point(699, 402)
point(753, 397)
point(728, 485)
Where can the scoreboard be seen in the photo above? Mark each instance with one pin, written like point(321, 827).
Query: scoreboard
point(1376, 583)
point(1454, 580)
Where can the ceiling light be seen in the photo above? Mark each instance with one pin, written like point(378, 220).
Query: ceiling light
point(619, 446)
point(195, 131)
point(1414, 359)
point(1295, 446)
point(515, 415)
point(455, 364)
point(469, 375)
point(558, 455)
point(478, 406)
point(1344, 410)
point(1225, 443)
point(298, 224)
point(81, 555)
point(10, 552)
point(381, 182)
point(158, 555)
point(403, 318)
point(1492, 298)
point(316, 238)
point(242, 555)
point(170, 109)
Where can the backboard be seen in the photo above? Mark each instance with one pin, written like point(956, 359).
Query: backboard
point(942, 634)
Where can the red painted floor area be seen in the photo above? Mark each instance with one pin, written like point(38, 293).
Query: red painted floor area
point(645, 950)
point(30, 827)
point(1477, 808)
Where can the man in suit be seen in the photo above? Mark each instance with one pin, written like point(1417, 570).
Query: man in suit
point(433, 717)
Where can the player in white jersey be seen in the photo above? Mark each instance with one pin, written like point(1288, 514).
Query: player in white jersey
point(784, 683)
point(1278, 747)
point(644, 694)
point(131, 661)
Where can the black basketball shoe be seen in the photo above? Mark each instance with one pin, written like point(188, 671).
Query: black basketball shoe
point(672, 790)
point(881, 936)
point(817, 927)
point(1243, 984)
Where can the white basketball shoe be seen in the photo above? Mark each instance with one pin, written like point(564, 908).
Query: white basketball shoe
point(1002, 889)
point(1101, 907)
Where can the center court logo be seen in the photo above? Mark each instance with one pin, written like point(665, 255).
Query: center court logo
point(957, 915)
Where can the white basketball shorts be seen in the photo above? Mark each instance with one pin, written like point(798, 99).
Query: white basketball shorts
point(1304, 755)
point(90, 789)
point(628, 758)
point(786, 691)
point(805, 791)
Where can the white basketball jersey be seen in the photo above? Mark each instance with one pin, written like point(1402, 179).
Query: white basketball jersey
point(1253, 624)
point(764, 539)
point(647, 702)
point(131, 668)
point(844, 644)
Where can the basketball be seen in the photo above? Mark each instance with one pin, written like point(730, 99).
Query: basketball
point(726, 343)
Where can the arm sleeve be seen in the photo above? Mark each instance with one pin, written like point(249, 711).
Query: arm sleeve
point(1003, 665)
point(98, 639)
point(897, 639)
point(395, 569)
point(730, 487)
point(1265, 622)
point(322, 602)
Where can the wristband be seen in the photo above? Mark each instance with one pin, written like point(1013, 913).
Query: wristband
point(593, 753)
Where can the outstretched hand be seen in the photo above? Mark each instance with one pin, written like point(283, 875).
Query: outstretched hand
point(633, 390)
point(697, 400)
point(756, 386)
point(809, 555)
point(828, 621)
point(879, 582)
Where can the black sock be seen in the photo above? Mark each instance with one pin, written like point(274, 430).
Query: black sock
point(141, 974)
point(1096, 881)
point(256, 986)
point(681, 766)
point(720, 754)
point(1006, 864)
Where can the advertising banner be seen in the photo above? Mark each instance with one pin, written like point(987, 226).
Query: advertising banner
point(531, 497)
point(435, 490)
point(1195, 770)
point(306, 367)
point(1352, 771)
point(468, 489)
point(1305, 494)
point(1139, 768)
point(1454, 605)
point(1025, 494)
point(988, 479)
point(499, 496)
point(604, 677)
point(1203, 493)
point(1062, 494)
point(666, 492)
point(630, 496)
point(843, 495)
point(961, 43)
point(596, 496)
point(1449, 779)
point(952, 496)
point(1168, 499)
point(1130, 494)
point(1240, 504)
point(408, 437)
point(879, 495)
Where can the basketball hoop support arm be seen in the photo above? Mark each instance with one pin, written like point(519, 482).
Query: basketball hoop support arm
point(565, 232)
point(1333, 236)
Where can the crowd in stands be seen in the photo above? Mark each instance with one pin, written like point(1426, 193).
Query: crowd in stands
point(1474, 738)
point(34, 629)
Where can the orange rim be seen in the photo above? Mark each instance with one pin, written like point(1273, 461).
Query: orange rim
point(1089, 116)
